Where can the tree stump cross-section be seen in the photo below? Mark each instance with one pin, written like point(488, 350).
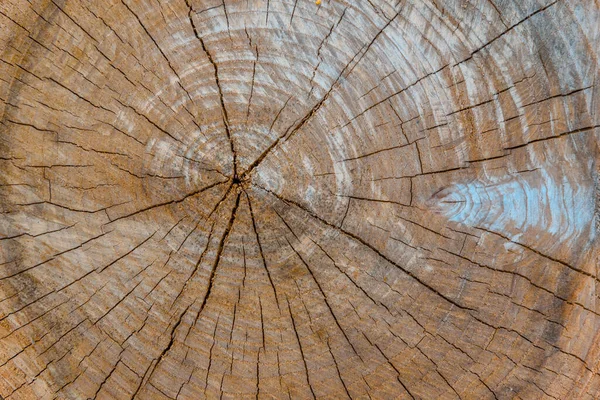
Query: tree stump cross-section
point(383, 199)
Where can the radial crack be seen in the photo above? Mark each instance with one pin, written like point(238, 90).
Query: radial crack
point(219, 254)
point(260, 249)
point(216, 74)
point(368, 245)
point(292, 130)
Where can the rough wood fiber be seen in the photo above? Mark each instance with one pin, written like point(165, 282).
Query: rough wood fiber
point(273, 199)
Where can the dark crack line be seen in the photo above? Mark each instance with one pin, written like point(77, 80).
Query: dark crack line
point(337, 368)
point(79, 96)
point(567, 133)
point(216, 73)
point(301, 348)
point(262, 255)
point(422, 226)
point(161, 279)
point(210, 353)
point(539, 253)
point(293, 12)
point(364, 292)
point(376, 152)
point(161, 52)
point(437, 370)
point(557, 96)
point(127, 253)
point(506, 31)
point(252, 85)
point(292, 130)
point(54, 256)
point(278, 114)
point(152, 367)
point(389, 362)
point(207, 294)
point(371, 247)
point(397, 93)
point(166, 203)
point(165, 351)
point(222, 200)
point(219, 254)
point(526, 278)
point(371, 200)
point(325, 298)
point(39, 234)
point(333, 26)
point(144, 116)
point(107, 377)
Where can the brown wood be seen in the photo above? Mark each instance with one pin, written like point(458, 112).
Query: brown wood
point(289, 199)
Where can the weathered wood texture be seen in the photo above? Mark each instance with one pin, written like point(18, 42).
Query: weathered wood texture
point(272, 199)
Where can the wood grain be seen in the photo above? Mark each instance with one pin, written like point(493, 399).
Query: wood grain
point(295, 199)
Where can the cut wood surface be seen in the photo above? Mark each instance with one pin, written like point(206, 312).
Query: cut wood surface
point(267, 199)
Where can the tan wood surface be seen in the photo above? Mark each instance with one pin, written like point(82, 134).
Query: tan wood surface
point(282, 199)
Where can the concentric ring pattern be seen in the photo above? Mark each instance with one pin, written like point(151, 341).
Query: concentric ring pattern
point(283, 199)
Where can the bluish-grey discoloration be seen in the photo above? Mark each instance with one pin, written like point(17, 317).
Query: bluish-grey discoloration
point(528, 205)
